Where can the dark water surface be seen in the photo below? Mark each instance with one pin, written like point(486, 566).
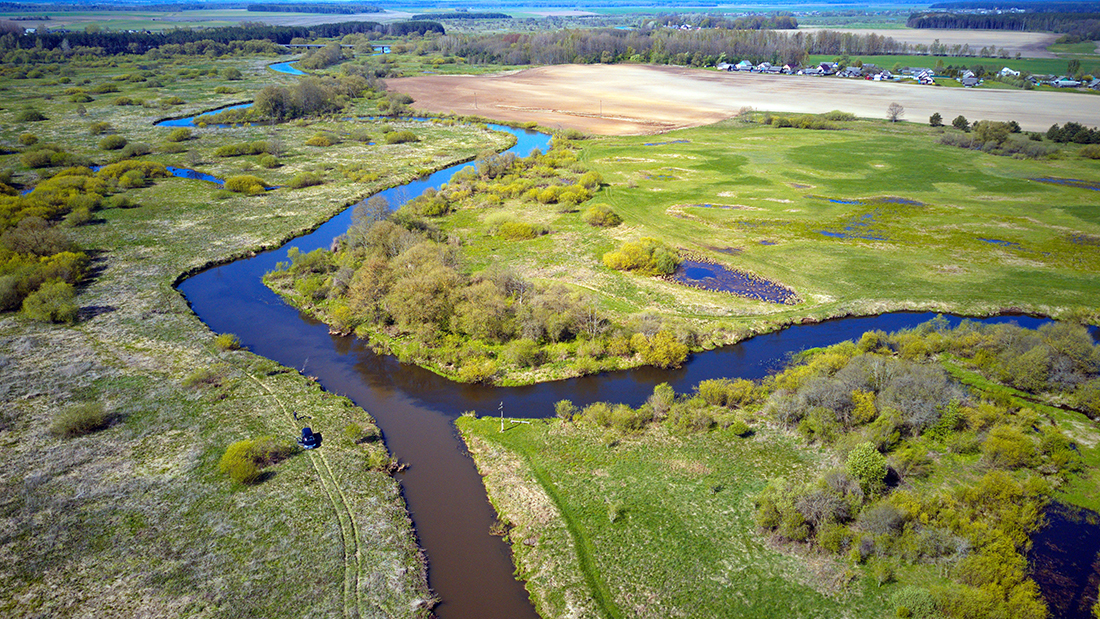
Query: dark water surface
point(469, 570)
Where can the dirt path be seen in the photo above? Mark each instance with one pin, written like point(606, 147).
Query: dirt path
point(639, 99)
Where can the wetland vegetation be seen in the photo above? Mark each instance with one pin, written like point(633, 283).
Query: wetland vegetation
point(902, 473)
point(846, 483)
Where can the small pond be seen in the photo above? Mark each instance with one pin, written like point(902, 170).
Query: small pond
point(718, 278)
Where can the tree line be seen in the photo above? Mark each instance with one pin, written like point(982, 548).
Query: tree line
point(1085, 25)
point(118, 42)
point(462, 15)
point(326, 8)
point(658, 45)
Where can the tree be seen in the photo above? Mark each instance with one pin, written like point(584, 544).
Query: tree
point(895, 112)
point(866, 464)
point(1074, 67)
point(274, 102)
point(961, 123)
point(935, 120)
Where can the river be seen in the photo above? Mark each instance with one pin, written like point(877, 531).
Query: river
point(470, 571)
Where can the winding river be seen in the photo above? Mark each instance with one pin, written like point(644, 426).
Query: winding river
point(470, 571)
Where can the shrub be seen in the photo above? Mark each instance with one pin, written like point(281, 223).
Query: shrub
point(80, 419)
point(601, 216)
point(52, 302)
point(270, 161)
point(28, 139)
point(519, 230)
point(179, 134)
point(647, 256)
point(112, 142)
point(477, 370)
point(244, 460)
point(662, 350)
point(239, 463)
point(29, 115)
point(1092, 151)
point(935, 120)
point(231, 73)
point(523, 353)
point(305, 179)
point(866, 464)
point(320, 139)
point(227, 341)
point(120, 101)
point(961, 123)
point(246, 183)
point(174, 100)
point(915, 602)
point(1008, 447)
point(99, 127)
point(400, 137)
point(135, 149)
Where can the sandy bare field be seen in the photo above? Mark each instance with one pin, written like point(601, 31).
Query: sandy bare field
point(1029, 44)
point(638, 99)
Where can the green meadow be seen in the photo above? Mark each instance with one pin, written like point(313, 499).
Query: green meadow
point(870, 217)
point(131, 515)
point(654, 524)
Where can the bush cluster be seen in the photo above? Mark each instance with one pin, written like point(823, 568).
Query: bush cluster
point(244, 148)
point(246, 184)
point(647, 256)
point(245, 460)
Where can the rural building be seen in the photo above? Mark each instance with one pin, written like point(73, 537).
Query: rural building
point(1066, 82)
point(1007, 72)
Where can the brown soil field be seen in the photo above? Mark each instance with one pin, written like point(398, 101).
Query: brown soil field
point(639, 99)
point(1028, 44)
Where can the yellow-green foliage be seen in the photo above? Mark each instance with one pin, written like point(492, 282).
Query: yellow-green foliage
point(400, 137)
point(601, 215)
point(53, 302)
point(227, 341)
point(662, 350)
point(245, 460)
point(80, 419)
point(319, 139)
point(246, 183)
point(146, 168)
point(647, 256)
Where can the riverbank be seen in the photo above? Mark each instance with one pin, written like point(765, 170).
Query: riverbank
point(735, 497)
point(136, 518)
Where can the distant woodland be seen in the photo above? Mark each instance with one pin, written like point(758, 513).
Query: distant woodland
point(326, 8)
point(1086, 26)
point(116, 42)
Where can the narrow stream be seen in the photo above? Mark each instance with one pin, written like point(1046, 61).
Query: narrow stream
point(469, 570)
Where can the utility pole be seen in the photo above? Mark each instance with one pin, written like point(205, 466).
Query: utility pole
point(475, 100)
point(502, 417)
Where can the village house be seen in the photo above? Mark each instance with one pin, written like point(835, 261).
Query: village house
point(1007, 72)
point(1066, 82)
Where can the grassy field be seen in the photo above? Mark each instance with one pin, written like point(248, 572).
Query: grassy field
point(947, 228)
point(655, 525)
point(136, 519)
